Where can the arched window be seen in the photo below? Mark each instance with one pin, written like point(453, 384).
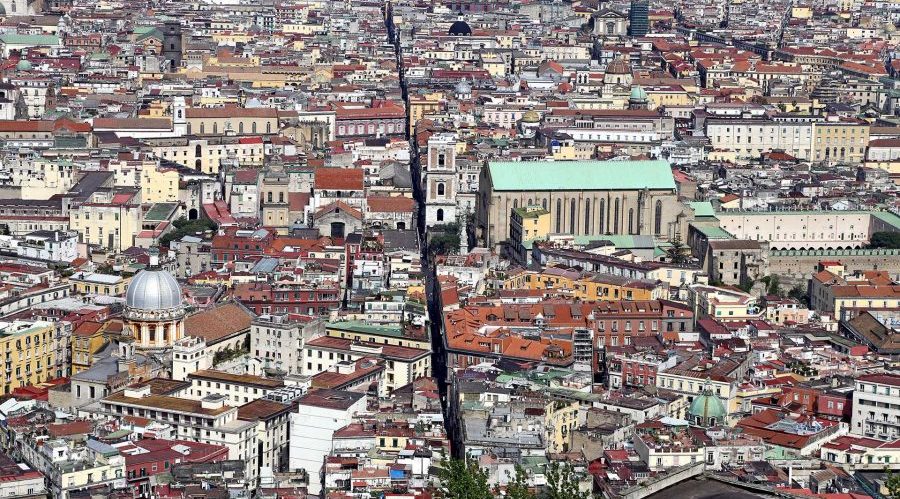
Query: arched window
point(616, 217)
point(441, 189)
point(440, 215)
point(253, 127)
point(269, 127)
point(544, 203)
point(657, 224)
point(602, 215)
point(515, 203)
point(572, 217)
point(241, 128)
point(558, 216)
point(631, 220)
point(587, 216)
point(530, 201)
point(215, 128)
point(198, 150)
point(202, 128)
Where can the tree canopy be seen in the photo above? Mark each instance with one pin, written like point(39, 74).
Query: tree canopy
point(462, 479)
point(184, 227)
point(888, 240)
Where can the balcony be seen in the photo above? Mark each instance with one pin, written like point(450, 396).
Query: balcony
point(872, 420)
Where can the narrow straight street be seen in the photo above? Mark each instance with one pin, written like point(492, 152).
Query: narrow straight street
point(432, 287)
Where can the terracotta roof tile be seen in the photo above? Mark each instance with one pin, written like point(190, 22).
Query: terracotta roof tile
point(221, 322)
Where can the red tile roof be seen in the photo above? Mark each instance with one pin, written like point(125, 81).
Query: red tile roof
point(384, 204)
point(219, 323)
point(347, 179)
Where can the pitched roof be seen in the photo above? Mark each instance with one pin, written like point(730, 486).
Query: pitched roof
point(219, 323)
point(395, 204)
point(580, 175)
point(337, 206)
point(340, 178)
point(231, 112)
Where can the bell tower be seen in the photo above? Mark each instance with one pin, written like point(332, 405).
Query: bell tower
point(440, 180)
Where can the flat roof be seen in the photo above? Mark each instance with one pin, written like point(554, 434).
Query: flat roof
point(237, 379)
point(364, 327)
point(330, 399)
point(580, 175)
point(163, 402)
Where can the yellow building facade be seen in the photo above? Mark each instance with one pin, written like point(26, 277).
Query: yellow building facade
point(586, 287)
point(111, 220)
point(206, 155)
point(159, 185)
point(28, 353)
point(843, 141)
point(87, 340)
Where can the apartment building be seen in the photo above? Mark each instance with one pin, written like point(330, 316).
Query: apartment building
point(109, 219)
point(28, 352)
point(237, 389)
point(876, 407)
point(403, 364)
point(208, 421)
point(279, 340)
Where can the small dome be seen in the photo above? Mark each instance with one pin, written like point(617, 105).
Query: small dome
point(463, 88)
point(638, 94)
point(531, 117)
point(460, 28)
point(153, 289)
point(707, 408)
point(24, 65)
point(618, 67)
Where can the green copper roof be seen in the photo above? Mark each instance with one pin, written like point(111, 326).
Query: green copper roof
point(33, 40)
point(707, 406)
point(888, 218)
point(702, 208)
point(637, 94)
point(580, 175)
point(713, 232)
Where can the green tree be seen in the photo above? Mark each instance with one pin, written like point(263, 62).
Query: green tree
point(773, 285)
point(445, 239)
point(518, 485)
point(562, 482)
point(184, 227)
point(798, 293)
point(889, 240)
point(462, 479)
point(678, 252)
point(892, 484)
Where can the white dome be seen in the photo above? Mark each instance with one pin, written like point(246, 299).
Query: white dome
point(153, 290)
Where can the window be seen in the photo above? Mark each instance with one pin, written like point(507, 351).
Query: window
point(601, 215)
point(440, 215)
point(587, 216)
point(441, 189)
point(572, 217)
point(559, 215)
point(631, 220)
point(657, 222)
point(616, 217)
